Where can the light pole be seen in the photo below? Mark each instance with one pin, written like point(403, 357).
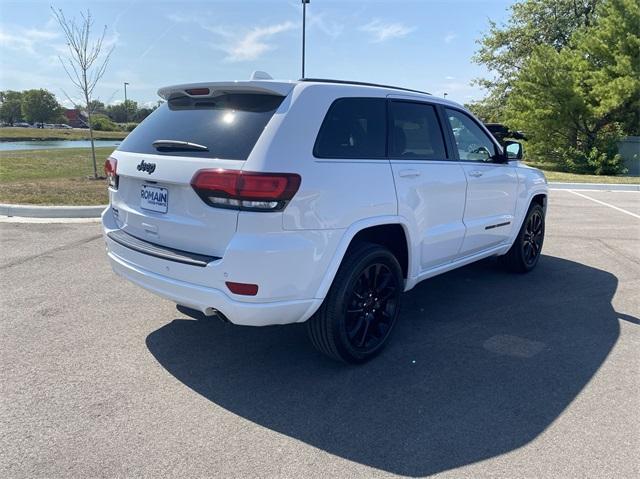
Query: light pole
point(304, 29)
point(126, 106)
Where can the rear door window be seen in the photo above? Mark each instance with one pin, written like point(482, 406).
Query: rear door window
point(354, 128)
point(415, 132)
point(227, 126)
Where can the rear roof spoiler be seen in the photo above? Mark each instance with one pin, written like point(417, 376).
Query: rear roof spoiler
point(217, 88)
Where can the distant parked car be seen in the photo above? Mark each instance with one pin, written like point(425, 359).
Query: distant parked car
point(22, 124)
point(63, 126)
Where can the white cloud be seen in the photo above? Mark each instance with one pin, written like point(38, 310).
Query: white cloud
point(382, 31)
point(254, 43)
point(449, 37)
point(238, 45)
point(449, 78)
point(330, 28)
point(26, 40)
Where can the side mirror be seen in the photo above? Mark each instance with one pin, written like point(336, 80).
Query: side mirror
point(513, 150)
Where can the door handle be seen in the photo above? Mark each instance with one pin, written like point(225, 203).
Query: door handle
point(408, 173)
point(475, 173)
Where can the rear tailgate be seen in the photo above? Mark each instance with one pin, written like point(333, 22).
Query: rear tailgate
point(188, 224)
point(154, 200)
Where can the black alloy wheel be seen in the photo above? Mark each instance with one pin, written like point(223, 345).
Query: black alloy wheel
point(358, 314)
point(533, 237)
point(372, 307)
point(527, 247)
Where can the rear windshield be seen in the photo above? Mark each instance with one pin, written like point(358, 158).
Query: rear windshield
point(225, 126)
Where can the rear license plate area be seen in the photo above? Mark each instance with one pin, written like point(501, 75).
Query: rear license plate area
point(154, 198)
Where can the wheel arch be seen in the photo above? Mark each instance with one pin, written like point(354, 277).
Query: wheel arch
point(539, 196)
point(392, 232)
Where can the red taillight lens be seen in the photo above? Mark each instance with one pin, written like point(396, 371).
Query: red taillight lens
point(110, 171)
point(245, 190)
point(244, 289)
point(198, 91)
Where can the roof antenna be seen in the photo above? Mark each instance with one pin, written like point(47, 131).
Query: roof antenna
point(259, 75)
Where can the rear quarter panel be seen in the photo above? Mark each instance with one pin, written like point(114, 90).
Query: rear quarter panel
point(334, 193)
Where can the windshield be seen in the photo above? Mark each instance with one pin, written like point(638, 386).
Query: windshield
point(225, 126)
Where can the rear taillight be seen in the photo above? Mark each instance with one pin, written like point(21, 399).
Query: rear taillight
point(110, 167)
point(245, 190)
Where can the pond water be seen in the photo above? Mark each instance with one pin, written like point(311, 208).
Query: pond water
point(48, 145)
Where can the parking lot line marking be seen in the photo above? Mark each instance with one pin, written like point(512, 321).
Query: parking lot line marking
point(605, 204)
point(606, 191)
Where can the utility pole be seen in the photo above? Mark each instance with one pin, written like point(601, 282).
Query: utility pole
point(304, 30)
point(126, 105)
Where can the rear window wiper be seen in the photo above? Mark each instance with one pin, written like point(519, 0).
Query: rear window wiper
point(176, 145)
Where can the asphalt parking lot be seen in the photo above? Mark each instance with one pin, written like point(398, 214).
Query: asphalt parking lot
point(488, 374)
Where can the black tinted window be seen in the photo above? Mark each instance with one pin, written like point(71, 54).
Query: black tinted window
point(415, 132)
point(353, 128)
point(228, 125)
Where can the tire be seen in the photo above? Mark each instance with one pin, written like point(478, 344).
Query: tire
point(357, 317)
point(527, 247)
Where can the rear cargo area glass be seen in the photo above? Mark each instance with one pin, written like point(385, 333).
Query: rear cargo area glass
point(228, 125)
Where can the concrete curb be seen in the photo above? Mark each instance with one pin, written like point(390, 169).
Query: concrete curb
point(33, 211)
point(594, 186)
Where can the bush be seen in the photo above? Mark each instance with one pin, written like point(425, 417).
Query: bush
point(103, 123)
point(593, 162)
point(130, 126)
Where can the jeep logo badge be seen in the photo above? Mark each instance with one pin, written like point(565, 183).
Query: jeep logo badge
point(148, 167)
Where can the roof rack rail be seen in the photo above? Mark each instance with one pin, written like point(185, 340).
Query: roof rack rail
point(360, 83)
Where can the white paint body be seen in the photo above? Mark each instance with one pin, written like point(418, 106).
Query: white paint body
point(293, 255)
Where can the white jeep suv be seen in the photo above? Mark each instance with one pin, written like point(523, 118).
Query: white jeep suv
point(267, 202)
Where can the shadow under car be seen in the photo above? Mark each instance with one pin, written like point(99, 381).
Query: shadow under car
point(480, 363)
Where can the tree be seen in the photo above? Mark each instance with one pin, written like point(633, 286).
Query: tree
point(84, 65)
point(40, 106)
point(97, 107)
point(142, 113)
point(608, 61)
point(506, 48)
point(10, 106)
point(575, 103)
point(122, 112)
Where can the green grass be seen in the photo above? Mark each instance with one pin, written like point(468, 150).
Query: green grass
point(563, 177)
point(52, 177)
point(558, 176)
point(22, 134)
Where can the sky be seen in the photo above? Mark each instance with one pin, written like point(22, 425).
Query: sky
point(421, 44)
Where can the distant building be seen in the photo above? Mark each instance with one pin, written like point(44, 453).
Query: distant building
point(75, 118)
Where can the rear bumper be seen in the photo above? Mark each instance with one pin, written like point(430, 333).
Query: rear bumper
point(205, 299)
point(287, 291)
